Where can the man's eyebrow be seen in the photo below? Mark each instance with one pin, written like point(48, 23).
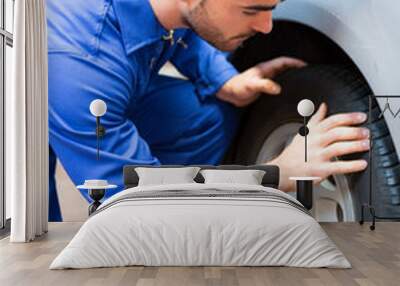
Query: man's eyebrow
point(263, 7)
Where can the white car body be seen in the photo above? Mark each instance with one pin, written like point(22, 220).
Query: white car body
point(367, 31)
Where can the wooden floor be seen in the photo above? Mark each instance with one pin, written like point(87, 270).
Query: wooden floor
point(375, 257)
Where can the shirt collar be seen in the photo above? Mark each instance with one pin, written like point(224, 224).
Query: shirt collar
point(138, 23)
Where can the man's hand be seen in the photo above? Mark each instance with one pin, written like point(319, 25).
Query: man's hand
point(246, 87)
point(328, 138)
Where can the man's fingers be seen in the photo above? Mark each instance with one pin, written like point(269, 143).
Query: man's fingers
point(265, 86)
point(276, 66)
point(346, 167)
point(343, 119)
point(343, 134)
point(345, 148)
point(319, 115)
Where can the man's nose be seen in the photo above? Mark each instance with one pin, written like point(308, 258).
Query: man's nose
point(263, 23)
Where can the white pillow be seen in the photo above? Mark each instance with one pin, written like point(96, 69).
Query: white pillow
point(164, 176)
point(248, 177)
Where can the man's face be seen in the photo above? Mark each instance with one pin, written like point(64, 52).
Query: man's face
point(227, 23)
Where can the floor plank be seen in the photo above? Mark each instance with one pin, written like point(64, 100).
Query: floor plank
point(374, 255)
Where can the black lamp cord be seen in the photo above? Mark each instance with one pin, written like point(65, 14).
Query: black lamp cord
point(100, 132)
point(305, 139)
point(97, 137)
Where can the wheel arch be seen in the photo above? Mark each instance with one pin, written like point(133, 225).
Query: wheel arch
point(359, 30)
point(325, 38)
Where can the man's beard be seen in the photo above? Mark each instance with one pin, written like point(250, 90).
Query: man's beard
point(198, 21)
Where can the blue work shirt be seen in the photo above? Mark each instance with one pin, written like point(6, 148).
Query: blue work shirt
point(113, 50)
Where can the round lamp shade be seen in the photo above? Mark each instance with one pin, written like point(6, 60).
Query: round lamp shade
point(305, 107)
point(98, 107)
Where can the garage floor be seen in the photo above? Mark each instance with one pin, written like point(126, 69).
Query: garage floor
point(374, 255)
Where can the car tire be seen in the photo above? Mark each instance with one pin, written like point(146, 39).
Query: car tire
point(344, 90)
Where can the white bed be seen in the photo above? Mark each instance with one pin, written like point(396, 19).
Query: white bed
point(249, 225)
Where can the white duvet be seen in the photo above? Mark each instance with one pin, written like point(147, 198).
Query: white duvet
point(183, 231)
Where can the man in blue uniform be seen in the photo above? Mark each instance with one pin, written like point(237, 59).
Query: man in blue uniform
point(113, 49)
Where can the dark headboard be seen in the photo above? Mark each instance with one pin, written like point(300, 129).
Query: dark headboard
point(270, 179)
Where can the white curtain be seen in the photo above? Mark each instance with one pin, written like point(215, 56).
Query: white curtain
point(27, 124)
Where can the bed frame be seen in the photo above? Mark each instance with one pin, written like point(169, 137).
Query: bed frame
point(270, 179)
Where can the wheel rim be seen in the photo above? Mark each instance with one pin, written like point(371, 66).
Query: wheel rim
point(332, 198)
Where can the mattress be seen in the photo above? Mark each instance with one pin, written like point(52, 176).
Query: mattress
point(201, 225)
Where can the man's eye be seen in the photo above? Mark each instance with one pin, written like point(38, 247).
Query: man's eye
point(250, 13)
